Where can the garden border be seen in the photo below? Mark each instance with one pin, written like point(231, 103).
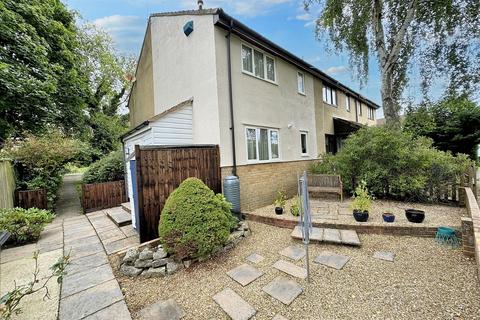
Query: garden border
point(471, 228)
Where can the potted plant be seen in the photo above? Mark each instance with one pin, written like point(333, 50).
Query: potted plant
point(295, 207)
point(414, 215)
point(388, 216)
point(279, 202)
point(362, 202)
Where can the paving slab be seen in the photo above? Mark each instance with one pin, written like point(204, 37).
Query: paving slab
point(162, 310)
point(291, 269)
point(331, 235)
point(117, 311)
point(255, 258)
point(89, 301)
point(384, 255)
point(87, 262)
point(350, 237)
point(244, 274)
point(296, 233)
point(73, 283)
point(234, 305)
point(121, 244)
point(111, 233)
point(283, 289)
point(294, 252)
point(332, 260)
point(83, 251)
point(316, 234)
point(129, 231)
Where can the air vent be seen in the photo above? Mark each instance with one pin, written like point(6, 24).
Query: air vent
point(188, 28)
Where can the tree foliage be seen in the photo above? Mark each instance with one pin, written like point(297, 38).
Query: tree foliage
point(452, 123)
point(109, 168)
point(442, 36)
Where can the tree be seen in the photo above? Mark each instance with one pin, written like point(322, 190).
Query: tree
point(41, 82)
point(452, 123)
point(442, 34)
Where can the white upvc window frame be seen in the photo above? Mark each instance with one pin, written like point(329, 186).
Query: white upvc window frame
point(304, 133)
point(330, 96)
point(265, 55)
point(348, 106)
point(257, 135)
point(301, 90)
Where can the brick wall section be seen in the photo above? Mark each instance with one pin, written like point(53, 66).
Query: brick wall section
point(474, 211)
point(259, 182)
point(468, 237)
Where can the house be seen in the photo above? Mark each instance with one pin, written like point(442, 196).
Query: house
point(205, 78)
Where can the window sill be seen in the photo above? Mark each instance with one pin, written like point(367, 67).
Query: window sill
point(330, 105)
point(305, 155)
point(301, 93)
point(263, 161)
point(254, 76)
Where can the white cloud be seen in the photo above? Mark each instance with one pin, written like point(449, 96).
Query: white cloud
point(337, 70)
point(126, 31)
point(304, 17)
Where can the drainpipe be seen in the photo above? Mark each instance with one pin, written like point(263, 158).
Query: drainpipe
point(230, 89)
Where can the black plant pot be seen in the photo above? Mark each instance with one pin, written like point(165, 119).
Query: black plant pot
point(388, 217)
point(415, 216)
point(360, 216)
point(278, 210)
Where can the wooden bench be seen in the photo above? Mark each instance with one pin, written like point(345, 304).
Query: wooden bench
point(325, 183)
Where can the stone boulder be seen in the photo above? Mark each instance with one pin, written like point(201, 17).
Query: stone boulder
point(130, 271)
point(146, 254)
point(130, 256)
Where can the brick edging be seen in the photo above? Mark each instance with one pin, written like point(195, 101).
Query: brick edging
point(471, 238)
point(366, 229)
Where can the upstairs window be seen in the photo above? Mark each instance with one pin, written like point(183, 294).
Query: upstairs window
point(300, 83)
point(371, 113)
point(347, 103)
point(329, 95)
point(258, 64)
point(262, 144)
point(358, 107)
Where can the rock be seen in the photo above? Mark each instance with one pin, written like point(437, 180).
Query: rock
point(143, 263)
point(187, 263)
point(154, 272)
point(145, 254)
point(130, 271)
point(173, 267)
point(130, 256)
point(159, 254)
point(247, 233)
point(242, 226)
point(159, 263)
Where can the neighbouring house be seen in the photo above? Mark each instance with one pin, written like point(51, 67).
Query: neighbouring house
point(203, 77)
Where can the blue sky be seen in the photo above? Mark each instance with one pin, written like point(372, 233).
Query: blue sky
point(283, 21)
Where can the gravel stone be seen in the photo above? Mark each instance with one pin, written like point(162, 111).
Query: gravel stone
point(427, 281)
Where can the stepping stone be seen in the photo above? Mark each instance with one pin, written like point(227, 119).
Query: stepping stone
point(120, 217)
point(283, 289)
point(117, 311)
point(234, 305)
point(332, 260)
point(279, 317)
point(350, 237)
point(291, 269)
point(244, 274)
point(297, 232)
point(293, 252)
point(317, 234)
point(331, 235)
point(384, 255)
point(255, 258)
point(162, 310)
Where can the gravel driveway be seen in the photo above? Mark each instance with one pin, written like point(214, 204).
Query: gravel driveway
point(427, 281)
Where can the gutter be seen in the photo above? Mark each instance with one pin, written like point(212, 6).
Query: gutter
point(230, 93)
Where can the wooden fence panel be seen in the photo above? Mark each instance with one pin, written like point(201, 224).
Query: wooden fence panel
point(32, 199)
point(160, 170)
point(7, 185)
point(98, 196)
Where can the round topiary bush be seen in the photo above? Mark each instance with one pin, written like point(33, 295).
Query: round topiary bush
point(195, 221)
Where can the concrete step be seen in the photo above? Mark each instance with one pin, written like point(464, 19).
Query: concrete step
point(126, 206)
point(335, 236)
point(119, 216)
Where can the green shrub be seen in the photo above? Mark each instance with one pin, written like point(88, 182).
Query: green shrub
point(194, 221)
point(109, 168)
point(40, 161)
point(362, 200)
point(24, 225)
point(394, 164)
point(295, 207)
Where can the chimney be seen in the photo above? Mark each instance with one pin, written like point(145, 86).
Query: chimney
point(200, 4)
